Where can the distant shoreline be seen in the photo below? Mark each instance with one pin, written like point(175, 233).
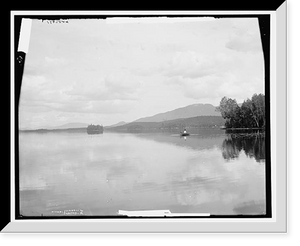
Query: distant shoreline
point(56, 130)
point(83, 129)
point(242, 129)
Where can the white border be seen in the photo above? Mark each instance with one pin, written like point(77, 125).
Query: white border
point(278, 151)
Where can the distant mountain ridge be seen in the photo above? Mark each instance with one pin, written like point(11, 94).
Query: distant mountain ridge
point(70, 125)
point(193, 110)
point(190, 111)
point(121, 123)
point(179, 124)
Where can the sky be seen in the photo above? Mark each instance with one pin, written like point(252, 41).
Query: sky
point(103, 71)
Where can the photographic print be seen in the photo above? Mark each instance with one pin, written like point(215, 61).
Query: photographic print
point(145, 116)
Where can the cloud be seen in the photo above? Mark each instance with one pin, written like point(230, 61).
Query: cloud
point(192, 65)
point(197, 75)
point(210, 78)
point(54, 61)
point(93, 107)
point(30, 70)
point(146, 71)
point(245, 43)
point(246, 37)
point(207, 87)
point(120, 85)
point(109, 95)
point(73, 68)
point(47, 66)
point(213, 87)
point(107, 88)
point(40, 96)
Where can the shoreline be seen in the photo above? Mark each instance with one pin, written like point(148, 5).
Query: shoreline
point(255, 128)
point(52, 130)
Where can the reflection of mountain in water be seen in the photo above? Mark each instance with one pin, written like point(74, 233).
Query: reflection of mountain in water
point(252, 144)
point(198, 140)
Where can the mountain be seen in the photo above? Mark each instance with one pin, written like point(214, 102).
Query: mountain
point(71, 125)
point(121, 123)
point(185, 112)
point(176, 124)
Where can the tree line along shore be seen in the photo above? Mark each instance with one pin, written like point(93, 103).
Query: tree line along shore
point(251, 114)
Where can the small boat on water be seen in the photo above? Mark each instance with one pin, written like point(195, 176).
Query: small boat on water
point(184, 133)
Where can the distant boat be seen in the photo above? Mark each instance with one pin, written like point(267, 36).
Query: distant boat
point(94, 129)
point(184, 133)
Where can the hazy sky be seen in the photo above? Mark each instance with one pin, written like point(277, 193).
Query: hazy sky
point(105, 71)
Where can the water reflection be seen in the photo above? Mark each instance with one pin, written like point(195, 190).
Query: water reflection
point(252, 144)
point(99, 175)
point(199, 139)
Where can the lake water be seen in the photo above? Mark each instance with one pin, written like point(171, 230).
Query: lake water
point(212, 172)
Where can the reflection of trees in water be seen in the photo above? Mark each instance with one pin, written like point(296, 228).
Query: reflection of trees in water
point(252, 144)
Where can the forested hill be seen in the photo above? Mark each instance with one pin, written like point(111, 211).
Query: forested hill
point(185, 112)
point(193, 122)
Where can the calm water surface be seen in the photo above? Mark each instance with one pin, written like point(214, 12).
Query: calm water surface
point(209, 172)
